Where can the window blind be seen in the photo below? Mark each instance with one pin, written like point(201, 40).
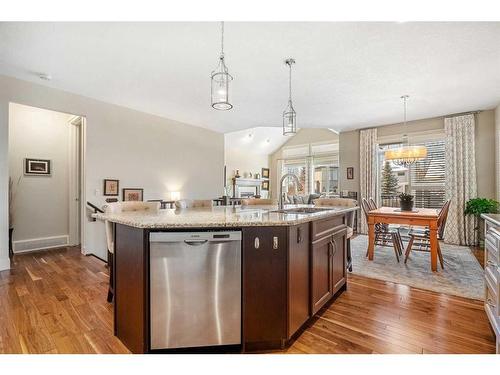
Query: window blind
point(427, 177)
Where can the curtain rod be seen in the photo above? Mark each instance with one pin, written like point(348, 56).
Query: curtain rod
point(428, 118)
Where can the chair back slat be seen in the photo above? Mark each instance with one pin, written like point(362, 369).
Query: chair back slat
point(372, 204)
point(443, 216)
point(366, 207)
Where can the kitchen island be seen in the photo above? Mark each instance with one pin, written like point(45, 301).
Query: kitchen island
point(289, 264)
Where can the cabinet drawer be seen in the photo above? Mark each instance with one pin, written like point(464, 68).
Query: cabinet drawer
point(492, 300)
point(492, 250)
point(327, 226)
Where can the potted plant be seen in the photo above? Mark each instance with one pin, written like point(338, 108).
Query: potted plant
point(476, 207)
point(406, 202)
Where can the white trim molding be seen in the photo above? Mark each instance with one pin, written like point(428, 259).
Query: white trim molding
point(42, 243)
point(4, 264)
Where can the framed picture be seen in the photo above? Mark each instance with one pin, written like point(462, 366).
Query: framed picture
point(265, 172)
point(350, 173)
point(111, 187)
point(132, 194)
point(37, 167)
point(265, 185)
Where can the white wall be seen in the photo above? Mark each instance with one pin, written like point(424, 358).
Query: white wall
point(37, 133)
point(139, 149)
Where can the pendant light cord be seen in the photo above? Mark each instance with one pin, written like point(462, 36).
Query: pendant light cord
point(290, 83)
point(222, 39)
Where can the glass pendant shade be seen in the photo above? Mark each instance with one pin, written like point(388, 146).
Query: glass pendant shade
point(220, 80)
point(409, 154)
point(220, 87)
point(406, 155)
point(289, 114)
point(289, 120)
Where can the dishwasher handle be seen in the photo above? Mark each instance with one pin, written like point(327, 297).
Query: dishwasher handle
point(195, 242)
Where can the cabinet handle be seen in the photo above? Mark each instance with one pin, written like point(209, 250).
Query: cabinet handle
point(256, 242)
point(275, 243)
point(334, 245)
point(490, 302)
point(492, 264)
point(299, 235)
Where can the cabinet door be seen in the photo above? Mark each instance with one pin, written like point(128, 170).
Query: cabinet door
point(321, 273)
point(298, 277)
point(338, 260)
point(264, 287)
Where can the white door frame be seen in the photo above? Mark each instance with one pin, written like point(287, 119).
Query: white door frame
point(77, 181)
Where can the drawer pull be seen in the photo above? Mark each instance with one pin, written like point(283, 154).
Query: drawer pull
point(491, 263)
point(490, 302)
point(275, 243)
point(256, 242)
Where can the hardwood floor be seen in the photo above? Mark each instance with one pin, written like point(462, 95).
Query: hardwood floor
point(55, 302)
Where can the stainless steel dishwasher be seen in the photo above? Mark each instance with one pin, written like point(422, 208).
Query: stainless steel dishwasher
point(195, 289)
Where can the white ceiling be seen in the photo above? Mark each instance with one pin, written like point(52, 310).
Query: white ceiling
point(260, 140)
point(348, 75)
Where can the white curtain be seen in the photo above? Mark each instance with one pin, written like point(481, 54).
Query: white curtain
point(461, 184)
point(367, 168)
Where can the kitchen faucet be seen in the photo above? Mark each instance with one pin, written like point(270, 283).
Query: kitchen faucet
point(297, 183)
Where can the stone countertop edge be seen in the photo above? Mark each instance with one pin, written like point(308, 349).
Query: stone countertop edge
point(133, 219)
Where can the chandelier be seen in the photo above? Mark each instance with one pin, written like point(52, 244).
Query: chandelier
point(407, 154)
point(289, 114)
point(220, 81)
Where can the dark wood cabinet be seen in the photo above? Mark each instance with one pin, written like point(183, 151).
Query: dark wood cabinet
point(328, 254)
point(264, 287)
point(289, 273)
point(298, 277)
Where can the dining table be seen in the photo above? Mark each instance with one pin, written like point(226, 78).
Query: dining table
point(422, 217)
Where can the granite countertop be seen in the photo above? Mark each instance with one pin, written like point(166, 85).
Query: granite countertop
point(218, 217)
point(494, 218)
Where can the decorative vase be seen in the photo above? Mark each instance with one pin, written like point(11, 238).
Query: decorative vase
point(11, 250)
point(406, 205)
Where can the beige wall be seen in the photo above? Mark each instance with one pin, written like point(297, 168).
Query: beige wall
point(485, 144)
point(303, 136)
point(139, 149)
point(38, 133)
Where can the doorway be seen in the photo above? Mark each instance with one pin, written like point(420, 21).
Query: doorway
point(46, 159)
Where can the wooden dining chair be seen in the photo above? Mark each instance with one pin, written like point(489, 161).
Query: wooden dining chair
point(420, 238)
point(384, 236)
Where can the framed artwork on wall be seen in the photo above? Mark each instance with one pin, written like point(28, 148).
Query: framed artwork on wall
point(265, 172)
point(111, 187)
point(132, 194)
point(265, 185)
point(350, 173)
point(37, 167)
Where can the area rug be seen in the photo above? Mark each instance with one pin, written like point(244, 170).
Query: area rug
point(462, 275)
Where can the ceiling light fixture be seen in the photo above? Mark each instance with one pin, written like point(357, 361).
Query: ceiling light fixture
point(220, 79)
point(406, 154)
point(45, 77)
point(289, 114)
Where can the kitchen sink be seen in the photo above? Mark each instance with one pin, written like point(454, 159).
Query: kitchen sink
point(301, 210)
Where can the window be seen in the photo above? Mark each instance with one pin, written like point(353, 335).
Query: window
point(316, 166)
point(425, 179)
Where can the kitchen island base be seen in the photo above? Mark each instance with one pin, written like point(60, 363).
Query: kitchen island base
point(289, 273)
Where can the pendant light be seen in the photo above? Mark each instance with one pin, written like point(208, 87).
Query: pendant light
point(407, 154)
point(289, 114)
point(220, 81)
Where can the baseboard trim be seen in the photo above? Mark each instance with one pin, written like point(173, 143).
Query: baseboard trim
point(43, 243)
point(4, 264)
